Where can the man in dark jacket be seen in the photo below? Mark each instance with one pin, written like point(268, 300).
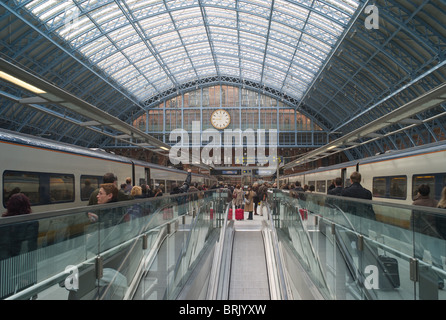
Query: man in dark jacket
point(185, 187)
point(181, 201)
point(337, 190)
point(356, 190)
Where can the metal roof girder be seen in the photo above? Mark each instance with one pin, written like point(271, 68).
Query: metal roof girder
point(410, 17)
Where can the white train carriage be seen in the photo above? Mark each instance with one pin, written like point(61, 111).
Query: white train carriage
point(58, 176)
point(391, 177)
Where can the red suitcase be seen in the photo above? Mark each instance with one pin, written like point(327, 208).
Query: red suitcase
point(230, 214)
point(303, 214)
point(239, 214)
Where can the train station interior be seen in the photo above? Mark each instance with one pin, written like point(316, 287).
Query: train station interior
point(243, 92)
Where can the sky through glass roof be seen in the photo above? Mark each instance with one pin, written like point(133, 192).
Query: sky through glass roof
point(149, 47)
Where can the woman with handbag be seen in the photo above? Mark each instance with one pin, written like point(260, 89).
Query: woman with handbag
point(249, 201)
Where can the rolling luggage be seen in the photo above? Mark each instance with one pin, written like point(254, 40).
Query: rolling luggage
point(239, 214)
point(230, 214)
point(389, 277)
point(303, 214)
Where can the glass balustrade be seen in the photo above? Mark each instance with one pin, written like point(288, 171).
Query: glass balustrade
point(97, 252)
point(360, 249)
point(352, 249)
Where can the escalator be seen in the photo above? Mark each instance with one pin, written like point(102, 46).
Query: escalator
point(249, 274)
point(247, 262)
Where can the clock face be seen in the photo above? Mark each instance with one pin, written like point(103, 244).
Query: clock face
point(220, 119)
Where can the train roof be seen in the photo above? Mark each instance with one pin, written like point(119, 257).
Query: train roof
point(33, 141)
point(389, 155)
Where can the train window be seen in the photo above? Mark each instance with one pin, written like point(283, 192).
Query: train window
point(61, 188)
point(320, 186)
point(379, 187)
point(311, 183)
point(88, 185)
point(18, 181)
point(39, 187)
point(170, 185)
point(394, 187)
point(398, 187)
point(418, 180)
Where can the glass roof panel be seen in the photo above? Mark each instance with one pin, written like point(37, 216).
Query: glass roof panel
point(149, 44)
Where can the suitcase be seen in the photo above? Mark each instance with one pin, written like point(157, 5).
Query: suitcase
point(239, 214)
point(303, 214)
point(389, 277)
point(230, 214)
point(212, 214)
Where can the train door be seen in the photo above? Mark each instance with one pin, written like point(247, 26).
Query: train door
point(343, 177)
point(147, 175)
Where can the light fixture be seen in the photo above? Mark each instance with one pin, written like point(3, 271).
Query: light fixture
point(164, 148)
point(332, 147)
point(20, 83)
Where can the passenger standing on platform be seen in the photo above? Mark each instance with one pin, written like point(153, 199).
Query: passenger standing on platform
point(137, 192)
point(263, 197)
point(135, 211)
point(185, 186)
point(18, 239)
point(178, 190)
point(362, 213)
point(17, 204)
point(337, 190)
point(237, 196)
point(427, 234)
point(356, 190)
point(128, 185)
point(423, 199)
point(250, 195)
point(86, 190)
point(149, 192)
point(297, 191)
point(157, 192)
point(442, 202)
point(108, 178)
point(107, 193)
point(255, 188)
point(330, 203)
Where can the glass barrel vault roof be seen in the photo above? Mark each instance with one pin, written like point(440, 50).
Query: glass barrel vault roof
point(149, 47)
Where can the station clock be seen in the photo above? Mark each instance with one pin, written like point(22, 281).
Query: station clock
point(220, 119)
